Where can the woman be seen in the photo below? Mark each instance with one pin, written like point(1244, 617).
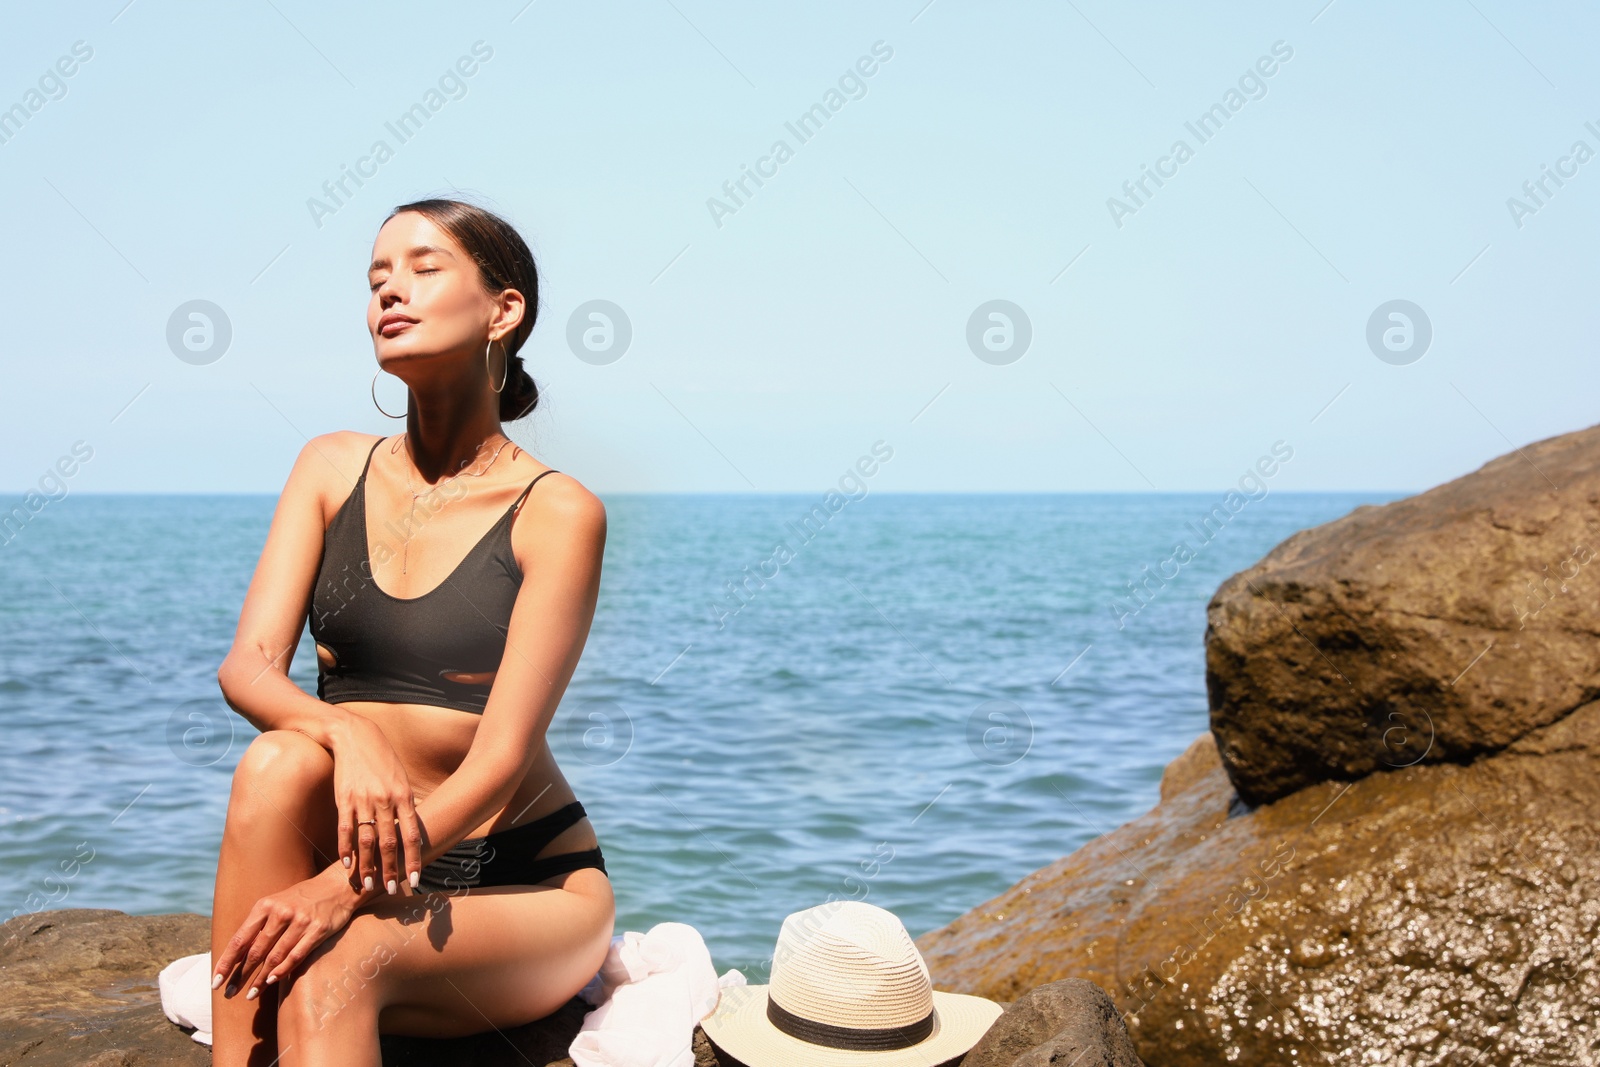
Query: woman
point(416, 794)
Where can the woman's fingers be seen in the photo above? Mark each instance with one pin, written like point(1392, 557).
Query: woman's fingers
point(237, 944)
point(292, 950)
point(388, 843)
point(348, 842)
point(389, 849)
point(273, 925)
point(411, 842)
point(266, 941)
point(367, 851)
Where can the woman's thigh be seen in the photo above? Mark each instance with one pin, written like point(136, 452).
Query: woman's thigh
point(442, 965)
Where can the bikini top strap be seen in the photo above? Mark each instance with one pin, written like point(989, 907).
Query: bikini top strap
point(368, 463)
point(529, 489)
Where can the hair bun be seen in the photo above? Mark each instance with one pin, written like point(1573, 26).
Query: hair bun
point(520, 395)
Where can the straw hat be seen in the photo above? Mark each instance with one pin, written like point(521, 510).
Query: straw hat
point(849, 989)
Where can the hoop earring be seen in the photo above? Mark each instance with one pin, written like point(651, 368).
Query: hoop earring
point(488, 356)
point(375, 394)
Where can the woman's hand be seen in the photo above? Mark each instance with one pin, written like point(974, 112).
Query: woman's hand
point(283, 928)
point(369, 783)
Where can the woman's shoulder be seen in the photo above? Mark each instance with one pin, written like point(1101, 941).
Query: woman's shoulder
point(326, 470)
point(336, 445)
point(560, 490)
point(556, 503)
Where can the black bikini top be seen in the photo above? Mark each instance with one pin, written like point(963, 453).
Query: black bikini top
point(440, 648)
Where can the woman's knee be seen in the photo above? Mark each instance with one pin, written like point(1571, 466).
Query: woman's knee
point(284, 755)
point(279, 767)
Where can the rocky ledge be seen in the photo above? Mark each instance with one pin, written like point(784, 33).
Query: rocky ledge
point(78, 989)
point(1385, 850)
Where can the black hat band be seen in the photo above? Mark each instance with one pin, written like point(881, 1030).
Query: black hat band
point(850, 1037)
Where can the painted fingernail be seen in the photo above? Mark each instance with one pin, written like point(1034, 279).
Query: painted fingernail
point(271, 978)
point(252, 994)
point(216, 980)
point(367, 881)
point(416, 880)
point(392, 888)
point(347, 863)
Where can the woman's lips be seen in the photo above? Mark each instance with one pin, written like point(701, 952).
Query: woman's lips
point(392, 328)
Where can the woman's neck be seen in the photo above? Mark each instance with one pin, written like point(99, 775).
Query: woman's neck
point(444, 443)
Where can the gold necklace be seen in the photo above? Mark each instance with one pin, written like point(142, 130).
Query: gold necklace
point(415, 495)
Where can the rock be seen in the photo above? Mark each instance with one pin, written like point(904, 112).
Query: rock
point(1438, 628)
point(1067, 1022)
point(1427, 915)
point(1193, 764)
point(78, 989)
point(543, 1043)
point(78, 986)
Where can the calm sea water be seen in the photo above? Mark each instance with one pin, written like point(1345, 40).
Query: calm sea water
point(923, 703)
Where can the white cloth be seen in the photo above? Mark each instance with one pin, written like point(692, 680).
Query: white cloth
point(649, 994)
point(186, 994)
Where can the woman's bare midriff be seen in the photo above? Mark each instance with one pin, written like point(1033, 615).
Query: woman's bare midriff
point(431, 742)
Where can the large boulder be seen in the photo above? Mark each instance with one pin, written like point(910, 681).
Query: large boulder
point(1433, 914)
point(1438, 628)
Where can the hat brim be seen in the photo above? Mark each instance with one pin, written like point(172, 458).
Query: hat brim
point(739, 1026)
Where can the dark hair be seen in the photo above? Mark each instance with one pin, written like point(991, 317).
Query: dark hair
point(504, 262)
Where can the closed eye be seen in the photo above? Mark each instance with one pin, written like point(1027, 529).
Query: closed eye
point(372, 287)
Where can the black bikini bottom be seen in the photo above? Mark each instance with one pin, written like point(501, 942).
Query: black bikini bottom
point(505, 857)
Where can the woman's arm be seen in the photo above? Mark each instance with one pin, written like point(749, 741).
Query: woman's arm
point(563, 539)
point(254, 675)
point(369, 779)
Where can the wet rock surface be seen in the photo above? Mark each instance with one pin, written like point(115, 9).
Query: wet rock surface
point(1436, 914)
point(1438, 628)
point(78, 986)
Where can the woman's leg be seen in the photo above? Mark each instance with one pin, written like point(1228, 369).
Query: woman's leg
point(282, 824)
point(443, 965)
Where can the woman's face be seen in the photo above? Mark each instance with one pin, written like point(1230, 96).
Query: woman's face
point(427, 297)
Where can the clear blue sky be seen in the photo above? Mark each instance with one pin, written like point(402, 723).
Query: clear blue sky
point(774, 344)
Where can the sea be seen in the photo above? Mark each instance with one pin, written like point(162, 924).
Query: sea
point(910, 699)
